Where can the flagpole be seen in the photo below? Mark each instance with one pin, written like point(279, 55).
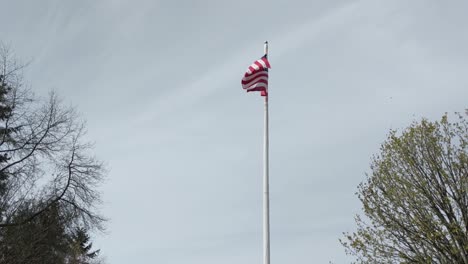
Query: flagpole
point(266, 197)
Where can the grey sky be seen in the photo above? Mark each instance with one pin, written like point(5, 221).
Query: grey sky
point(159, 84)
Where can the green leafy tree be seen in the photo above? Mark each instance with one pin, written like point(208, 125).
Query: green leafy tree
point(415, 199)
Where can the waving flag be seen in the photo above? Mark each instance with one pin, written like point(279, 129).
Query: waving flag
point(256, 76)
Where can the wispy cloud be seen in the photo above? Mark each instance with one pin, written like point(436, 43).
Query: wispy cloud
point(230, 68)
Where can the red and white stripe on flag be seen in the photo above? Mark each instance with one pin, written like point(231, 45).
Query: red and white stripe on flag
point(256, 77)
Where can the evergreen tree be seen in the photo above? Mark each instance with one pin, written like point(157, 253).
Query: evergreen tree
point(5, 112)
point(41, 241)
point(81, 246)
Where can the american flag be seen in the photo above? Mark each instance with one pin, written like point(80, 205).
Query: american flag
point(256, 76)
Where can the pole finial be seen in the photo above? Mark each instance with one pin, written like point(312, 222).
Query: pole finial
point(265, 48)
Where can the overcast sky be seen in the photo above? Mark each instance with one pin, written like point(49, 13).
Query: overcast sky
point(159, 84)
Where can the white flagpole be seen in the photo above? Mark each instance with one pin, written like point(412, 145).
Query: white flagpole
point(266, 197)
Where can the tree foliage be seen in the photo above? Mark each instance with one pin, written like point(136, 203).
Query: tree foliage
point(41, 240)
point(415, 199)
point(48, 175)
point(81, 248)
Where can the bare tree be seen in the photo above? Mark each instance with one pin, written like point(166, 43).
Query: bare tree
point(44, 158)
point(416, 198)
